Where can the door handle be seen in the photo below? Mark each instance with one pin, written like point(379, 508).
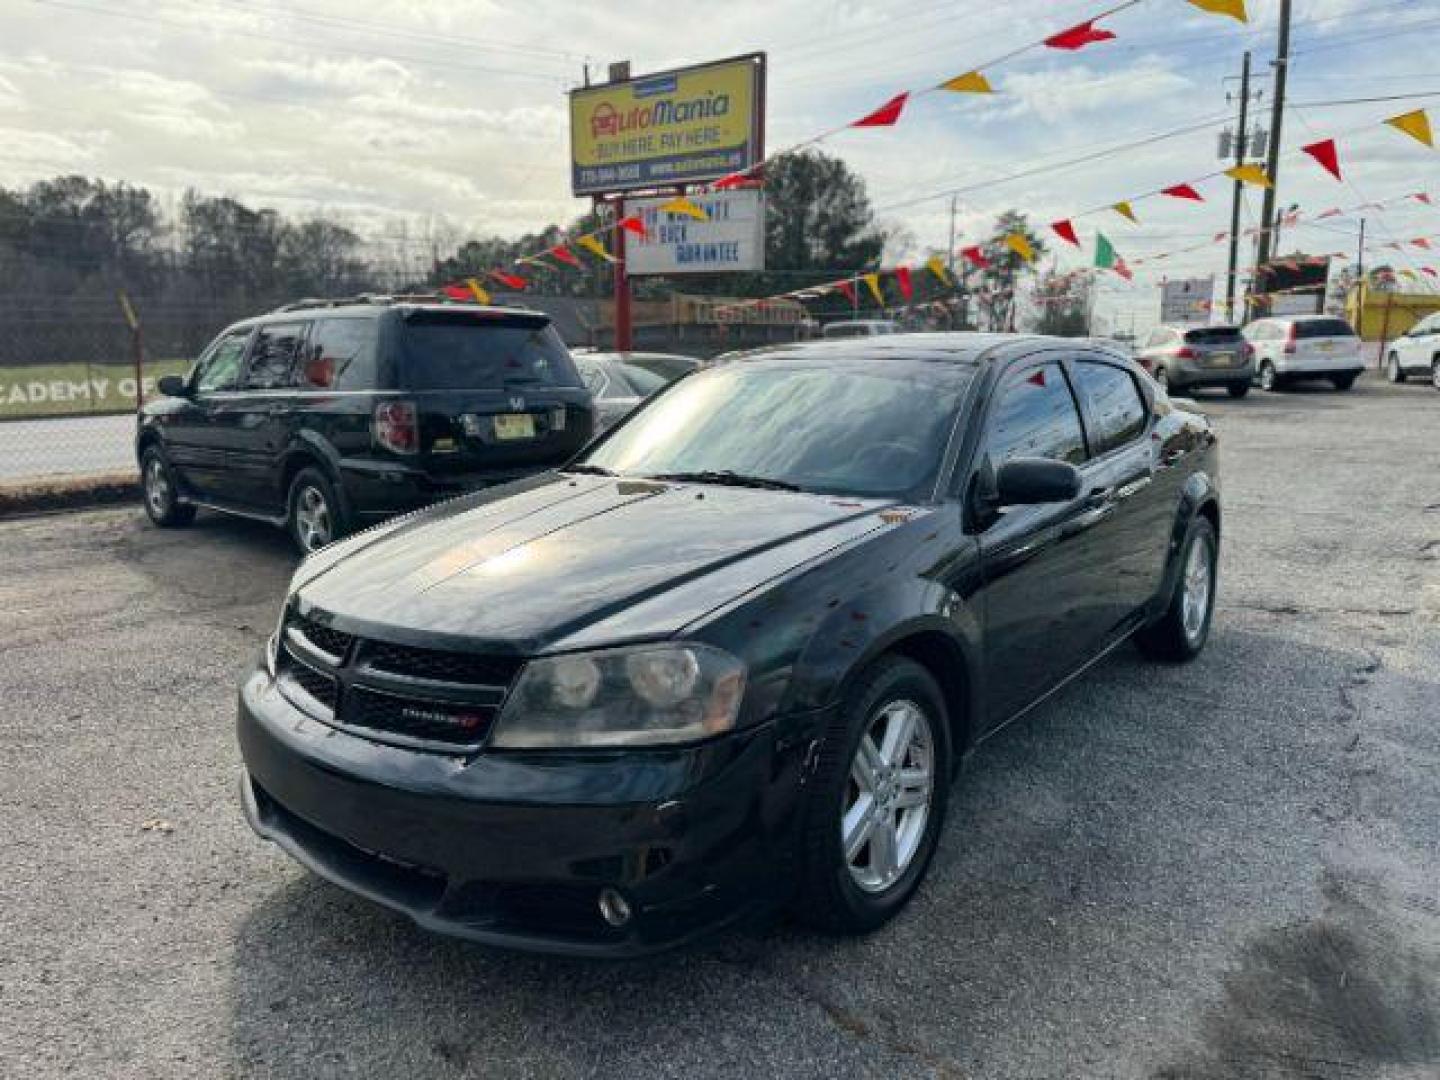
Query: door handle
point(1100, 496)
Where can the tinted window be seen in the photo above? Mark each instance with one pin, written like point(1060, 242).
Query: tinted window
point(273, 354)
point(836, 430)
point(643, 382)
point(340, 356)
point(1036, 417)
point(219, 369)
point(1113, 403)
point(444, 351)
point(668, 368)
point(1213, 335)
point(1320, 328)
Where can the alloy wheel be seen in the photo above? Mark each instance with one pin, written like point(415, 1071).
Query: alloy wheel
point(1435, 374)
point(1267, 377)
point(157, 487)
point(1199, 582)
point(888, 797)
point(313, 525)
point(1392, 369)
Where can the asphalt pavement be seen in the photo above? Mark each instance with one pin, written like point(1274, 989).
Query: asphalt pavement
point(67, 447)
point(1223, 869)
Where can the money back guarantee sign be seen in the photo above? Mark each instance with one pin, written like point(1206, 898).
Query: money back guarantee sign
point(731, 238)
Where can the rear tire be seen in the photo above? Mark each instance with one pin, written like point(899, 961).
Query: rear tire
point(314, 517)
point(1343, 382)
point(161, 491)
point(1179, 635)
point(1269, 379)
point(1435, 373)
point(876, 804)
point(1238, 390)
point(1393, 371)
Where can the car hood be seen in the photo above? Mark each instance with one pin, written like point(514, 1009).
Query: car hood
point(578, 561)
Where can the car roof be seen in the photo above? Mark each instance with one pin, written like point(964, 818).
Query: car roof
point(309, 309)
point(959, 347)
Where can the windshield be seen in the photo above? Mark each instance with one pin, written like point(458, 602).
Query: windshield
point(445, 352)
point(832, 430)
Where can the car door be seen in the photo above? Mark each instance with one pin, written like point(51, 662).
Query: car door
point(1418, 348)
point(256, 420)
point(192, 441)
point(1139, 490)
point(1045, 567)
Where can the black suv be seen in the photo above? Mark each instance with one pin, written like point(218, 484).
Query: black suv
point(326, 416)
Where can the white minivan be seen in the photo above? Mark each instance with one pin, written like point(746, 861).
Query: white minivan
point(1416, 352)
point(1305, 347)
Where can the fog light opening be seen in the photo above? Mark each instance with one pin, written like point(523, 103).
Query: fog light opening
point(614, 908)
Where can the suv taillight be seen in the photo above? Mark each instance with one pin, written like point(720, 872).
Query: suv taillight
point(1185, 353)
point(1290, 341)
point(1249, 352)
point(396, 427)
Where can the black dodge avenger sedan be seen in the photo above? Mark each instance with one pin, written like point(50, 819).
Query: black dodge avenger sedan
point(733, 656)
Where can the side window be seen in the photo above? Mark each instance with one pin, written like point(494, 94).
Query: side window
point(1036, 417)
point(219, 369)
point(340, 355)
point(273, 354)
point(1113, 403)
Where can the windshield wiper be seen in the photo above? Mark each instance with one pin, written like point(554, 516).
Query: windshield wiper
point(594, 470)
point(727, 478)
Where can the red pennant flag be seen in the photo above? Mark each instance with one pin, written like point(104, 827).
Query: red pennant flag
point(1421, 242)
point(902, 278)
point(510, 281)
point(1429, 270)
point(1183, 191)
point(1332, 212)
point(1077, 37)
point(975, 257)
point(1123, 270)
point(734, 180)
point(1325, 153)
point(1422, 196)
point(561, 253)
point(1066, 231)
point(848, 288)
point(1220, 236)
point(633, 224)
point(457, 292)
point(886, 115)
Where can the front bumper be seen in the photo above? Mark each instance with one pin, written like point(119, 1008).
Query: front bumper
point(513, 849)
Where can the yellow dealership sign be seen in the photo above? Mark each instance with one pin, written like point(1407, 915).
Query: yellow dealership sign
point(676, 127)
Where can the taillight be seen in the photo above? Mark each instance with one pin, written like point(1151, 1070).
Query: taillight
point(1249, 352)
point(396, 427)
point(1290, 341)
point(1185, 353)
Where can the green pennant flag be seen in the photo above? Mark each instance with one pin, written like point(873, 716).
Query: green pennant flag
point(1104, 252)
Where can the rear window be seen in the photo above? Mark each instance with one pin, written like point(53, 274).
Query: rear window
point(1213, 335)
point(457, 351)
point(1317, 328)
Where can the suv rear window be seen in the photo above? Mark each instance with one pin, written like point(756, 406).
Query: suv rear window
point(457, 351)
point(1316, 328)
point(1213, 335)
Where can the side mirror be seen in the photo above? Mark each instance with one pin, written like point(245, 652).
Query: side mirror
point(1027, 481)
point(172, 386)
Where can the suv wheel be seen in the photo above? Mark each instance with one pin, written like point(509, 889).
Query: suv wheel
point(314, 517)
point(1238, 389)
point(1393, 371)
point(877, 803)
point(1343, 382)
point(162, 502)
point(1181, 632)
point(1435, 373)
point(1269, 380)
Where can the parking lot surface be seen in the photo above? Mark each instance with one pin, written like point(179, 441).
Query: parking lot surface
point(1224, 869)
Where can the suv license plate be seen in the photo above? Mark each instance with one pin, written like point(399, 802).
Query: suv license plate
point(1220, 359)
point(514, 426)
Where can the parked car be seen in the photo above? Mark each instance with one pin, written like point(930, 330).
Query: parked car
point(859, 328)
point(1416, 352)
point(735, 654)
point(1307, 347)
point(669, 366)
point(618, 386)
point(325, 417)
point(1183, 358)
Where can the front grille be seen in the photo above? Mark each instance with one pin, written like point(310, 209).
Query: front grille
point(428, 698)
point(441, 666)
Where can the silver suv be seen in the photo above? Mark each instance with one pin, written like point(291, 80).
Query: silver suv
point(1191, 357)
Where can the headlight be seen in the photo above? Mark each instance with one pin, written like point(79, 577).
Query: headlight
point(643, 696)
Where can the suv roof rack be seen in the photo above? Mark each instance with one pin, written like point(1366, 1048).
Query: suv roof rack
point(437, 297)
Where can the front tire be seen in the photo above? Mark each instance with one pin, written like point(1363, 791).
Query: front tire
point(161, 491)
point(1179, 635)
point(1393, 371)
point(876, 804)
point(1238, 389)
point(314, 517)
point(1435, 373)
point(1269, 380)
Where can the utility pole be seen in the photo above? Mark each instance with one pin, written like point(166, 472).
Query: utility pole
point(1360, 253)
point(950, 253)
point(1242, 136)
point(1277, 120)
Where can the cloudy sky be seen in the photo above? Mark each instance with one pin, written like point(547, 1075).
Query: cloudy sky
point(449, 115)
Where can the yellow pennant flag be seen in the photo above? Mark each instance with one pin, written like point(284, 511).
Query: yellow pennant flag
point(684, 206)
point(1017, 243)
point(1415, 124)
point(595, 247)
point(1125, 210)
point(972, 82)
point(1234, 8)
point(1250, 174)
point(478, 291)
point(936, 266)
point(873, 281)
